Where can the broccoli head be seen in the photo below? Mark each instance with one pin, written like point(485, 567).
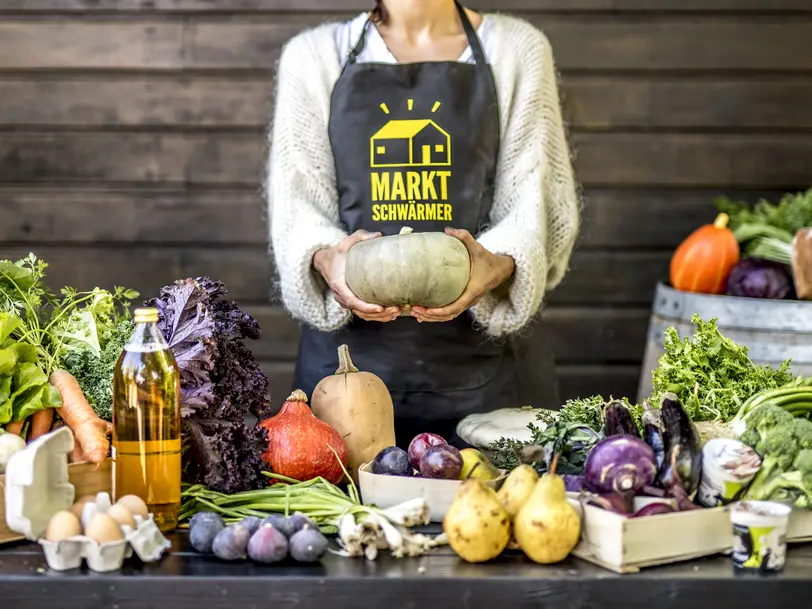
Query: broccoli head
point(785, 446)
point(793, 486)
point(771, 431)
point(802, 428)
point(767, 416)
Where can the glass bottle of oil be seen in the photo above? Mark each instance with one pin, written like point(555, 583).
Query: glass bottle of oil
point(146, 421)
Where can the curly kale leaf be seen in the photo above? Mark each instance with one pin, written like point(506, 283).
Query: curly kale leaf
point(189, 329)
point(711, 374)
point(240, 384)
point(223, 455)
point(221, 383)
point(95, 374)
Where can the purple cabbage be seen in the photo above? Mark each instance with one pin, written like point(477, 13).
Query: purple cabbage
point(221, 383)
point(620, 463)
point(757, 278)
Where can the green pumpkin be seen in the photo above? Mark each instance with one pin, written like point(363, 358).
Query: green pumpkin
point(426, 269)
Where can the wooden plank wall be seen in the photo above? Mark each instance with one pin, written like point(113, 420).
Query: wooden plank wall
point(133, 140)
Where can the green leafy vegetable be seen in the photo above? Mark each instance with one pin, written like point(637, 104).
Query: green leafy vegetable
point(578, 419)
point(95, 374)
point(792, 213)
point(38, 331)
point(711, 374)
point(568, 431)
point(766, 230)
point(783, 442)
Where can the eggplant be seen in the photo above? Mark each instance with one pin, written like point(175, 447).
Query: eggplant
point(654, 433)
point(653, 491)
point(652, 509)
point(683, 449)
point(675, 486)
point(618, 420)
point(620, 463)
point(619, 503)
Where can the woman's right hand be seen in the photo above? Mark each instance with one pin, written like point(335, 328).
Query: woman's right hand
point(331, 263)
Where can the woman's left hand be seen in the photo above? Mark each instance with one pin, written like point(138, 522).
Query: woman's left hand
point(488, 271)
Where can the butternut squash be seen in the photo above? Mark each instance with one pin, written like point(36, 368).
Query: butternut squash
point(358, 406)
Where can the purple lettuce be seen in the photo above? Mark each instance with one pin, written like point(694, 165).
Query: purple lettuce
point(221, 383)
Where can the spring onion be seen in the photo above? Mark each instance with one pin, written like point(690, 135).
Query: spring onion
point(794, 397)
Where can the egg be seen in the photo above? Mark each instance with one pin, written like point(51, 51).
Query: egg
point(121, 515)
point(104, 529)
point(62, 525)
point(79, 506)
point(135, 504)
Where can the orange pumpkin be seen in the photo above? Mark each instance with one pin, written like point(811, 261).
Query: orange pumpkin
point(702, 263)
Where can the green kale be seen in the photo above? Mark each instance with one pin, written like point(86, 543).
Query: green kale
point(711, 374)
point(95, 374)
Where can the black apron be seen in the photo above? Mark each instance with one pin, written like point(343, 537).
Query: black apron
point(417, 145)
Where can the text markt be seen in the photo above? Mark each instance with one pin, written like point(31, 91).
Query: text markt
point(410, 195)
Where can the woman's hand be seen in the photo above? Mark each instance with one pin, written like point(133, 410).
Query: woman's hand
point(331, 264)
point(488, 271)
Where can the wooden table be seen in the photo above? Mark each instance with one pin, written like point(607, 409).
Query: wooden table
point(184, 579)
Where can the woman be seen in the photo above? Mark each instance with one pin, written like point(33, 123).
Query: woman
point(395, 115)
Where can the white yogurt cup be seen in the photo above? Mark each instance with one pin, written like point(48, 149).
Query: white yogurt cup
point(728, 466)
point(759, 535)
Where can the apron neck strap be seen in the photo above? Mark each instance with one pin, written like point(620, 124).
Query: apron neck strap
point(470, 33)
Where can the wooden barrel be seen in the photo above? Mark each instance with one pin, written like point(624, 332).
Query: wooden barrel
point(772, 330)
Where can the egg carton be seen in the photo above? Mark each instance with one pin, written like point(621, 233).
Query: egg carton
point(145, 540)
point(37, 487)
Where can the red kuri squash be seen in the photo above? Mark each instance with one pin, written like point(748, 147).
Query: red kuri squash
point(299, 444)
point(702, 263)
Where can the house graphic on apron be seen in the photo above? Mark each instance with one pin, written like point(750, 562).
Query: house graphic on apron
point(410, 143)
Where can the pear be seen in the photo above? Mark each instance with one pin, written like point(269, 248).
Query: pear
point(517, 488)
point(547, 527)
point(476, 465)
point(476, 524)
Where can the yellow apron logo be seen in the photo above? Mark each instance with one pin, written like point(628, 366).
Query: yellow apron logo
point(401, 191)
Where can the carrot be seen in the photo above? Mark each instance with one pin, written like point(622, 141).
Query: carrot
point(41, 423)
point(15, 427)
point(89, 430)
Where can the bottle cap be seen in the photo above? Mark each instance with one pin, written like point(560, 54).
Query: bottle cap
point(146, 315)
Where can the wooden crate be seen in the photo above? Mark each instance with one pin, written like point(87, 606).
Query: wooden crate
point(87, 478)
point(626, 545)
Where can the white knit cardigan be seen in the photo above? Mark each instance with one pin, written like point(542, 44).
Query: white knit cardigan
point(535, 212)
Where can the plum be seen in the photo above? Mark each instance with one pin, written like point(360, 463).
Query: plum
point(296, 522)
point(308, 545)
point(251, 523)
point(420, 444)
point(205, 516)
point(231, 543)
point(392, 461)
point(443, 461)
point(268, 545)
point(277, 521)
point(204, 531)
